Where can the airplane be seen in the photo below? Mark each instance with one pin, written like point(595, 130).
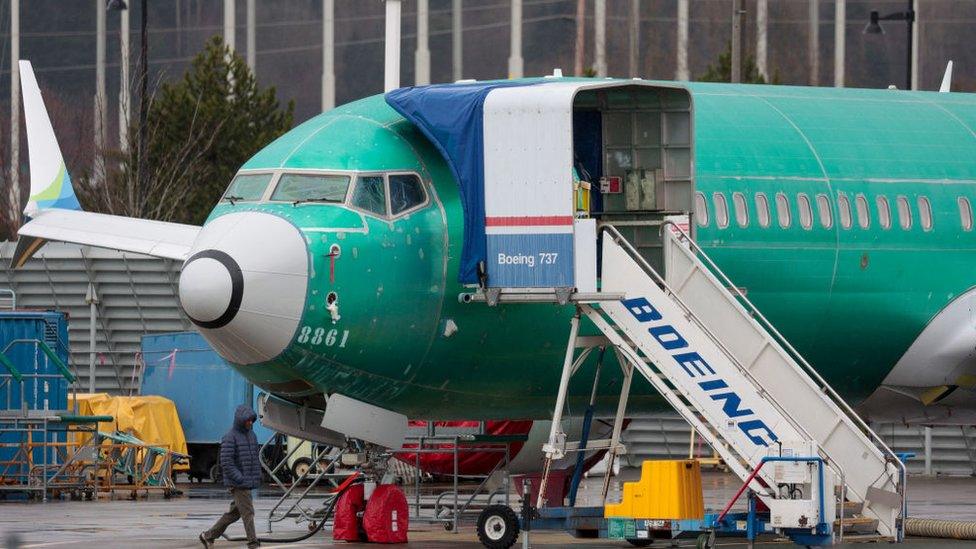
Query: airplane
point(338, 260)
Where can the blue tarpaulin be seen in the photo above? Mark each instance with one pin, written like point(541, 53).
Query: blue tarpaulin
point(452, 117)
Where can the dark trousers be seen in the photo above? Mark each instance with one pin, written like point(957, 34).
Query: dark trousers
point(241, 507)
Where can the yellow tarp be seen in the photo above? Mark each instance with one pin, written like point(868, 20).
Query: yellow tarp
point(152, 419)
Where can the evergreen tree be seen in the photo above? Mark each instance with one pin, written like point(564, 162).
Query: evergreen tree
point(722, 71)
point(200, 130)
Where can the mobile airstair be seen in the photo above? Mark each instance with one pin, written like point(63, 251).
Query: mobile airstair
point(529, 157)
point(711, 354)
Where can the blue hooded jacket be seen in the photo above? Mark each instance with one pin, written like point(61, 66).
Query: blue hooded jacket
point(239, 449)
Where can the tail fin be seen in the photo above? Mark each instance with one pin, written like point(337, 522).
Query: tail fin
point(946, 86)
point(50, 183)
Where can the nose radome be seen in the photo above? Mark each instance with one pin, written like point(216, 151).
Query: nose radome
point(244, 284)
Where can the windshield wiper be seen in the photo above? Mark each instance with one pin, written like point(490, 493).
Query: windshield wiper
point(306, 200)
point(232, 199)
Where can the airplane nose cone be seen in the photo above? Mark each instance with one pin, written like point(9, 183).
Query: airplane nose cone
point(244, 285)
point(211, 288)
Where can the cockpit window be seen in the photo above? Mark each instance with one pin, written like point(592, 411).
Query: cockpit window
point(370, 194)
point(406, 192)
point(294, 187)
point(248, 186)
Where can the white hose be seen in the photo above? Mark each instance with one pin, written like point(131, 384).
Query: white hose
point(936, 528)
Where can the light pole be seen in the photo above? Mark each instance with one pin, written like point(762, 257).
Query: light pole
point(15, 205)
point(100, 102)
point(600, 37)
point(738, 14)
point(143, 108)
point(515, 61)
point(123, 9)
point(908, 16)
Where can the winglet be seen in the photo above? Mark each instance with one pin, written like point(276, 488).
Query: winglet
point(50, 183)
point(946, 79)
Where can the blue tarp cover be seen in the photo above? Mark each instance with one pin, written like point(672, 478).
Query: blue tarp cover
point(452, 117)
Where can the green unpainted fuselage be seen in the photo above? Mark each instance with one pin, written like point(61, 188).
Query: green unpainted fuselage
point(851, 300)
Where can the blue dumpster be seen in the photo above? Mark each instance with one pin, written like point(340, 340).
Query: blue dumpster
point(182, 367)
point(23, 337)
point(34, 382)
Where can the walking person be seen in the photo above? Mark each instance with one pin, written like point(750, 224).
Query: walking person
point(241, 468)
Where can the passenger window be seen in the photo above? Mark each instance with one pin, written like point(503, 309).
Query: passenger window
point(965, 213)
point(884, 212)
point(925, 213)
point(844, 205)
point(863, 215)
point(721, 210)
point(701, 210)
point(741, 211)
point(783, 210)
point(296, 187)
point(904, 213)
point(370, 194)
point(762, 210)
point(806, 212)
point(248, 186)
point(406, 192)
point(823, 207)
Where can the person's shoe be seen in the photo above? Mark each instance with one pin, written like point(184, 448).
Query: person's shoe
point(254, 545)
point(206, 542)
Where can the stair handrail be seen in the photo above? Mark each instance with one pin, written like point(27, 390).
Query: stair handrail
point(781, 339)
point(629, 248)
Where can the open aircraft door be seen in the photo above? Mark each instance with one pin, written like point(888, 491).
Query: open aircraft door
point(522, 150)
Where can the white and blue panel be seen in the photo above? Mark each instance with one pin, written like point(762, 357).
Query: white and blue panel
point(525, 256)
point(529, 207)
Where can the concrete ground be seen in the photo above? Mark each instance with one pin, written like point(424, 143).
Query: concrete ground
point(175, 523)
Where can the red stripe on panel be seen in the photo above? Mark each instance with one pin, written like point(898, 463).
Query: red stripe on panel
point(522, 221)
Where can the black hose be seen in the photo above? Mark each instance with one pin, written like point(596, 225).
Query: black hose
point(329, 508)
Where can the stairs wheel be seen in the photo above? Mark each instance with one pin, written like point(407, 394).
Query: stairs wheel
point(498, 527)
point(705, 541)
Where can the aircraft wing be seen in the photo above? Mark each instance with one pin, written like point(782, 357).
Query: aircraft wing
point(53, 208)
point(127, 234)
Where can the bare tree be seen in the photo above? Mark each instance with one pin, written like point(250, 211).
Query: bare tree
point(166, 193)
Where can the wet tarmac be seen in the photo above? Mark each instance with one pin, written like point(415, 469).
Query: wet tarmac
point(157, 522)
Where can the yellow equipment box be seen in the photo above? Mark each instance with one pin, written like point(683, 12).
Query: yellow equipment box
point(667, 489)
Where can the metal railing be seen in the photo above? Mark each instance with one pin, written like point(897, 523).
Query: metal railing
point(450, 512)
point(865, 429)
point(648, 269)
point(15, 379)
point(12, 298)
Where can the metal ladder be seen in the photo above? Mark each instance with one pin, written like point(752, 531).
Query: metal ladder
point(696, 338)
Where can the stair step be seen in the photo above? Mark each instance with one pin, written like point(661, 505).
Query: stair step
point(851, 508)
point(857, 525)
point(867, 538)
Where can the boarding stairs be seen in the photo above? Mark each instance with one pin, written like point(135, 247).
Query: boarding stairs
point(746, 390)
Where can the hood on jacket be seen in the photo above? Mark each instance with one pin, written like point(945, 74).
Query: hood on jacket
point(243, 414)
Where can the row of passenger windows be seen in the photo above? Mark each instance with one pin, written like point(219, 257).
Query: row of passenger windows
point(824, 213)
point(380, 194)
